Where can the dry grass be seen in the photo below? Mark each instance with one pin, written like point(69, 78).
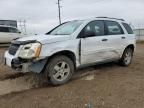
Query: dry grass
point(140, 42)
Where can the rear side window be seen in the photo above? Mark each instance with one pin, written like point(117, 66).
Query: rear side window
point(128, 28)
point(113, 28)
point(4, 29)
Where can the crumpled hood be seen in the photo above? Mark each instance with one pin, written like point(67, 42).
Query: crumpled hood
point(46, 39)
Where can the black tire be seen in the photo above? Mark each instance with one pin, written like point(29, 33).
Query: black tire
point(50, 71)
point(123, 61)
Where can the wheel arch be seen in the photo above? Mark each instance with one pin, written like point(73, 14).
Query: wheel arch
point(67, 53)
point(131, 46)
point(121, 61)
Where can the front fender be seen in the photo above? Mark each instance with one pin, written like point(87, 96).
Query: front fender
point(69, 45)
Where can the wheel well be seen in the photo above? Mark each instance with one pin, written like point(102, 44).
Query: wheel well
point(69, 54)
point(130, 46)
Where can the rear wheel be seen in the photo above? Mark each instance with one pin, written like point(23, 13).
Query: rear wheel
point(59, 70)
point(127, 57)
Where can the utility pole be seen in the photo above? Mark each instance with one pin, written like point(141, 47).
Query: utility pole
point(22, 25)
point(59, 11)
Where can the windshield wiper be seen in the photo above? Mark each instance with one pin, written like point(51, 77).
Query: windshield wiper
point(61, 34)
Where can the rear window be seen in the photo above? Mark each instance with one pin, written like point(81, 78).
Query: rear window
point(4, 29)
point(128, 28)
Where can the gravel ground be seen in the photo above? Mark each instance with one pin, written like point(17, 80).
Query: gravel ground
point(101, 86)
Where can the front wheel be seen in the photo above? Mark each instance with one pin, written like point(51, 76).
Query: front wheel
point(127, 57)
point(59, 70)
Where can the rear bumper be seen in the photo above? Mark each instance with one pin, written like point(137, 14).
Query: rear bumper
point(24, 66)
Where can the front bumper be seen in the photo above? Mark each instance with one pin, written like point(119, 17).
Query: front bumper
point(16, 63)
point(8, 59)
point(24, 66)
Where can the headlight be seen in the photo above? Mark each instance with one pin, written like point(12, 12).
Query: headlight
point(30, 51)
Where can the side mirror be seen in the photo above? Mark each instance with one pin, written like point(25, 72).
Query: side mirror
point(89, 34)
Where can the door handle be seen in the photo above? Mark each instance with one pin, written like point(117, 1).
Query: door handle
point(123, 37)
point(104, 40)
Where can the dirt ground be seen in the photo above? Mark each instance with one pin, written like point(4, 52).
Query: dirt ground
point(101, 86)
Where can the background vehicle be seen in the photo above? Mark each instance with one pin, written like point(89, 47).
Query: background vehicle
point(72, 45)
point(8, 33)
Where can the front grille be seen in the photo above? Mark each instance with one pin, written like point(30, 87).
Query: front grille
point(13, 48)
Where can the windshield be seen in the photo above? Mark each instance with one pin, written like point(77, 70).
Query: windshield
point(66, 28)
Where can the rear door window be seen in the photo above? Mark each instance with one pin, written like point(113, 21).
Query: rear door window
point(113, 28)
point(128, 28)
point(4, 29)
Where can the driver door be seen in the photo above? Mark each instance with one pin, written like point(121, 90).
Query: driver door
point(94, 43)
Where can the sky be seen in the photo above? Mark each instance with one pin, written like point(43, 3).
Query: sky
point(42, 15)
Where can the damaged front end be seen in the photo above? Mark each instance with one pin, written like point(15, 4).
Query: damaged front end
point(28, 65)
point(24, 56)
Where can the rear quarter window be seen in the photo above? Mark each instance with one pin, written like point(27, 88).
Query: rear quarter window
point(128, 28)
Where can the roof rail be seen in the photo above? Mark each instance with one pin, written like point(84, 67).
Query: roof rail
point(111, 18)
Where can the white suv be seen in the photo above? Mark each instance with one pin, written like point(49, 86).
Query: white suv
point(72, 45)
point(8, 33)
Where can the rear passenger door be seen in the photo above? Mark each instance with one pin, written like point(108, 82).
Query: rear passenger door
point(116, 39)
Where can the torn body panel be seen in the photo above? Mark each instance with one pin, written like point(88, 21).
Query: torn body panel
point(29, 66)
